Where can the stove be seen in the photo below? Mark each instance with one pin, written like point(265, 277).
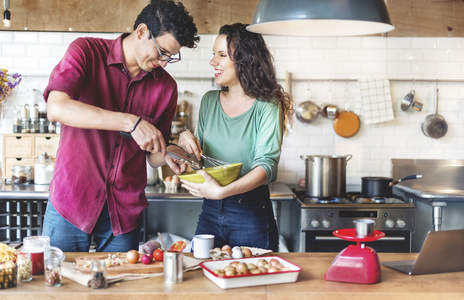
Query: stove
point(393, 215)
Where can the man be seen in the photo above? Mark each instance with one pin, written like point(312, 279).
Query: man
point(100, 89)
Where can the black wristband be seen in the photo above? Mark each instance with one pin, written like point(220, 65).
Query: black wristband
point(135, 125)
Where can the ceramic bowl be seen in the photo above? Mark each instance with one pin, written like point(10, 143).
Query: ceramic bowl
point(224, 174)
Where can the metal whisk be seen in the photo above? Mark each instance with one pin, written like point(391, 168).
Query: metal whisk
point(213, 161)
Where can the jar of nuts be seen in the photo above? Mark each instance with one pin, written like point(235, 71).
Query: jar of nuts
point(53, 272)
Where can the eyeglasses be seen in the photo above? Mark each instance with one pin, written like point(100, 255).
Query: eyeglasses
point(164, 57)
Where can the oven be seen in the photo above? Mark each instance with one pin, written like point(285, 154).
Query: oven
point(393, 215)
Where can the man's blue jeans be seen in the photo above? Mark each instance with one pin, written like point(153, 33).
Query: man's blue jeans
point(69, 238)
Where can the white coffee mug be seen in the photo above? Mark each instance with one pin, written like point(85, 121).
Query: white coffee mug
point(201, 244)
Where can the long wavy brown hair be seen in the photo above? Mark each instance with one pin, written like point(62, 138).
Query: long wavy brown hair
point(255, 68)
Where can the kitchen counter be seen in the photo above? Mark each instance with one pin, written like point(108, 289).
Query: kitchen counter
point(310, 285)
point(279, 192)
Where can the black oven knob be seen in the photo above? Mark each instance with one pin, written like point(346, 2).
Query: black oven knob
point(315, 223)
point(390, 223)
point(326, 224)
point(401, 223)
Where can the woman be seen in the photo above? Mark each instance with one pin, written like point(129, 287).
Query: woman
point(243, 122)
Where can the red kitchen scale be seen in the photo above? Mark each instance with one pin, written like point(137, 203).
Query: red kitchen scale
point(356, 263)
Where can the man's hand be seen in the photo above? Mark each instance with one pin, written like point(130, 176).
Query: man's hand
point(149, 138)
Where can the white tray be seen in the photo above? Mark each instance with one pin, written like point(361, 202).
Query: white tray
point(249, 279)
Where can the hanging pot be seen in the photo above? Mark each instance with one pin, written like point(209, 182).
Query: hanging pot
point(325, 175)
point(381, 186)
point(435, 125)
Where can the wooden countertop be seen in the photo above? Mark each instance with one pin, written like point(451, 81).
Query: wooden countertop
point(310, 285)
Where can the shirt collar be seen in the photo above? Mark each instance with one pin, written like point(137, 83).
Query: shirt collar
point(116, 56)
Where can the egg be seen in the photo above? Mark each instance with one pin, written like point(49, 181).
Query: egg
point(246, 252)
point(168, 179)
point(237, 253)
point(175, 179)
point(225, 247)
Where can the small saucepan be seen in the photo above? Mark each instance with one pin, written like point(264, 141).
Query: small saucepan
point(381, 186)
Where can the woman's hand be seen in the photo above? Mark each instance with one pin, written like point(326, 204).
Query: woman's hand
point(176, 166)
point(210, 189)
point(190, 144)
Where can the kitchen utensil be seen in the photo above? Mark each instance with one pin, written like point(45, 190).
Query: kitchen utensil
point(222, 174)
point(178, 153)
point(381, 186)
point(325, 175)
point(356, 263)
point(408, 101)
point(435, 125)
point(329, 111)
point(346, 124)
point(307, 112)
point(173, 267)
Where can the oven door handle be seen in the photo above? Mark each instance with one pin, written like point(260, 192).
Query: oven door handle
point(386, 238)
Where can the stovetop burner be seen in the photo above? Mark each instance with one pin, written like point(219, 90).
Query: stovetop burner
point(352, 198)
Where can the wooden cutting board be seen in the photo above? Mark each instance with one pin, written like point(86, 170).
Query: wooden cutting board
point(84, 262)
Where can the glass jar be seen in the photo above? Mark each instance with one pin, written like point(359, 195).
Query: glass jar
point(35, 245)
point(53, 272)
point(98, 274)
point(25, 125)
point(34, 126)
point(34, 112)
point(25, 111)
point(24, 263)
point(51, 127)
point(43, 125)
point(17, 125)
point(43, 169)
point(21, 174)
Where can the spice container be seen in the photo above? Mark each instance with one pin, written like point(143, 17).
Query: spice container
point(51, 127)
point(25, 125)
point(7, 275)
point(173, 267)
point(25, 111)
point(24, 263)
point(35, 245)
point(43, 169)
point(34, 111)
point(43, 125)
point(34, 126)
point(53, 271)
point(99, 275)
point(21, 174)
point(17, 125)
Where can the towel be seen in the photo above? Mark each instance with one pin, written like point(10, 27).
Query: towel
point(71, 271)
point(376, 100)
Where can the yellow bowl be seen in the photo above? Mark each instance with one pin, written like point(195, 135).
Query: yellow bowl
point(222, 174)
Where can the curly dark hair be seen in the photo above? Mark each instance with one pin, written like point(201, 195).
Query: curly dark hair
point(254, 66)
point(168, 16)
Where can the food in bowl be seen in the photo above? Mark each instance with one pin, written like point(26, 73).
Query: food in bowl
point(224, 174)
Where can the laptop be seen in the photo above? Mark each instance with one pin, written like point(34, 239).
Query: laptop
point(442, 252)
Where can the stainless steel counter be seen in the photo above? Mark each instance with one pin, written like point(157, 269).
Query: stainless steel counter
point(279, 192)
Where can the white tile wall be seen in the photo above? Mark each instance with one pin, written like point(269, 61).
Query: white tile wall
point(320, 65)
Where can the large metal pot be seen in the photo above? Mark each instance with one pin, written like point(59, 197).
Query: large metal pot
point(325, 175)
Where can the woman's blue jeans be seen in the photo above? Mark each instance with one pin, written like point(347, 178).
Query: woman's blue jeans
point(69, 238)
point(242, 220)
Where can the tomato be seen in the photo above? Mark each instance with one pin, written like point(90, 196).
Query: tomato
point(158, 255)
